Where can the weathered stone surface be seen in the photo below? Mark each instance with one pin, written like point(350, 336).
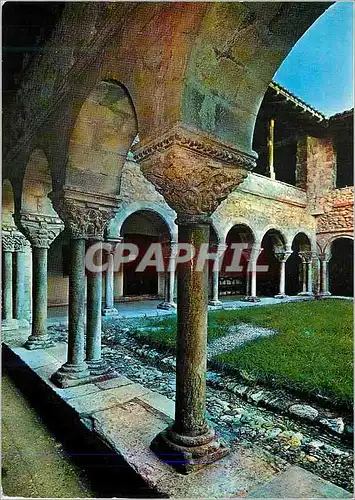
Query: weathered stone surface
point(304, 411)
point(302, 484)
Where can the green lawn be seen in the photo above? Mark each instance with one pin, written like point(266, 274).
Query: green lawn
point(312, 352)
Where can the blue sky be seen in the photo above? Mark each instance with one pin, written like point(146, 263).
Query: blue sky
point(319, 69)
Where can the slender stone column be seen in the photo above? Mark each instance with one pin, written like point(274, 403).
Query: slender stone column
point(169, 287)
point(251, 270)
point(307, 278)
point(84, 220)
point(96, 364)
point(20, 285)
point(215, 278)
point(191, 440)
point(75, 368)
point(282, 258)
point(247, 283)
point(325, 276)
point(40, 230)
point(109, 309)
point(7, 291)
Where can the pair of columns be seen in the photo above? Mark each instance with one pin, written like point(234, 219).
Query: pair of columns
point(109, 309)
point(14, 302)
point(85, 216)
point(307, 273)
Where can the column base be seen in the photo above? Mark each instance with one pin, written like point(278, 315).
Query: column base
point(70, 375)
point(280, 296)
point(9, 324)
point(185, 453)
point(250, 298)
point(167, 305)
point(40, 342)
point(111, 311)
point(98, 367)
point(214, 303)
point(324, 294)
point(305, 294)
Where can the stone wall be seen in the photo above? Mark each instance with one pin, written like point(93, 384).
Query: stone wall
point(262, 204)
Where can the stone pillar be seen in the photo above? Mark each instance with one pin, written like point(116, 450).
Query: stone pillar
point(8, 321)
point(307, 275)
point(96, 364)
point(109, 309)
point(282, 257)
point(169, 286)
point(84, 220)
point(21, 300)
point(251, 270)
point(215, 278)
point(191, 437)
point(324, 290)
point(194, 174)
point(40, 230)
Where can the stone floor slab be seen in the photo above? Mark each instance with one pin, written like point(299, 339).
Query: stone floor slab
point(299, 483)
point(160, 403)
point(130, 430)
point(118, 381)
point(107, 398)
point(35, 358)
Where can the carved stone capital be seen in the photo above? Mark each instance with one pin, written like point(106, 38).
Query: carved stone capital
point(193, 173)
point(83, 218)
point(307, 256)
point(8, 243)
point(40, 230)
point(282, 256)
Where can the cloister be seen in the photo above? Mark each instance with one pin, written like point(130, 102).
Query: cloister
point(160, 123)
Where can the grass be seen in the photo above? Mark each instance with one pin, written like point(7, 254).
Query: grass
point(312, 353)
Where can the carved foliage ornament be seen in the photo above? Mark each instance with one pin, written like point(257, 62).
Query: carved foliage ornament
point(39, 229)
point(82, 220)
point(191, 183)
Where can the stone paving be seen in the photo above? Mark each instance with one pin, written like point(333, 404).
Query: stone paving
point(127, 414)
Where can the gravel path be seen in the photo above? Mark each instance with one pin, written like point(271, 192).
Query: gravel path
point(237, 336)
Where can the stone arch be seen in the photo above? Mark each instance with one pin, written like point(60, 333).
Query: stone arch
point(341, 266)
point(272, 242)
point(125, 212)
point(144, 227)
point(100, 139)
point(242, 223)
point(36, 185)
point(7, 204)
point(327, 249)
point(295, 278)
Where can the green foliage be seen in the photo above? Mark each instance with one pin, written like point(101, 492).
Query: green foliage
point(312, 352)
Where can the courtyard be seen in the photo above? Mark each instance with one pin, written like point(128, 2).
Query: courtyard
point(177, 249)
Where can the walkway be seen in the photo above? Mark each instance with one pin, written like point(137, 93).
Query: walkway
point(33, 461)
point(143, 308)
point(127, 415)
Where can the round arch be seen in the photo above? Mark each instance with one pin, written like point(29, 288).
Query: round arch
point(168, 218)
point(37, 184)
point(341, 266)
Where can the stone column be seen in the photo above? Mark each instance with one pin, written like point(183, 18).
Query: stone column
point(40, 230)
point(169, 286)
point(8, 321)
point(194, 174)
point(21, 300)
point(307, 278)
point(251, 270)
point(282, 257)
point(109, 309)
point(96, 364)
point(324, 260)
point(215, 278)
point(84, 220)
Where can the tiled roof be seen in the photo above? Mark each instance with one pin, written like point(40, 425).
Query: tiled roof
point(296, 100)
point(343, 114)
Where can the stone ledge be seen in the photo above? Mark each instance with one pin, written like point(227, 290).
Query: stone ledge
point(129, 416)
